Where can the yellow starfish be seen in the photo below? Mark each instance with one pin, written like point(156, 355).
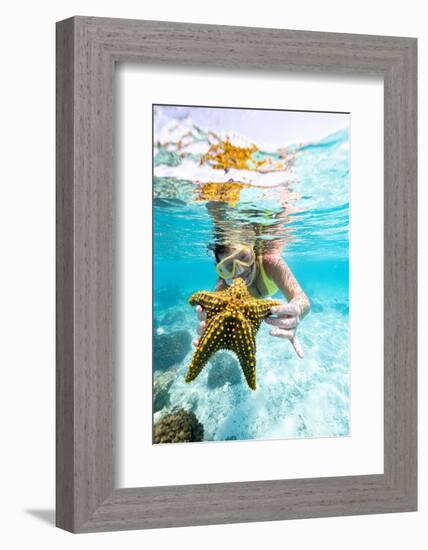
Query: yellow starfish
point(225, 155)
point(233, 319)
point(228, 191)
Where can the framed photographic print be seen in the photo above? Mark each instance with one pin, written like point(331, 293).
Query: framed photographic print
point(234, 199)
point(236, 274)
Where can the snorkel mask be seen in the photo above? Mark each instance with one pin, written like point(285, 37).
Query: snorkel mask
point(236, 263)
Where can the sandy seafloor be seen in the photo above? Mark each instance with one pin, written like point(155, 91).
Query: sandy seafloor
point(295, 397)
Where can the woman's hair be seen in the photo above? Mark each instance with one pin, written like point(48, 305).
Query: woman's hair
point(218, 249)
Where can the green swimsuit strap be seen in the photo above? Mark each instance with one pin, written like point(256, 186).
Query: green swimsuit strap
point(270, 287)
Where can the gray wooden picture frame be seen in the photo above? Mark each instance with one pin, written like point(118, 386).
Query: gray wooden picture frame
point(87, 51)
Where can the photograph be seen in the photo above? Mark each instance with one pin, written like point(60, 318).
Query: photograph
point(211, 308)
point(250, 274)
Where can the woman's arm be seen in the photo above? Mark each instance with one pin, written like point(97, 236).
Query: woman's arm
point(277, 269)
point(286, 318)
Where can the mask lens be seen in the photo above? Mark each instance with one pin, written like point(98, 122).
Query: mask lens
point(228, 266)
point(244, 256)
point(224, 271)
point(236, 263)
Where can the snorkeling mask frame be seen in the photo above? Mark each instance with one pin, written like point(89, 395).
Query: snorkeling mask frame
point(225, 273)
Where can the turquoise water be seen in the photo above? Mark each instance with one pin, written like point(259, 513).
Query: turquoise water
point(295, 397)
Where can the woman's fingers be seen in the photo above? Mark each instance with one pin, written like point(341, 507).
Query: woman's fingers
point(201, 327)
point(290, 335)
point(283, 322)
point(297, 347)
point(282, 333)
point(286, 309)
point(201, 313)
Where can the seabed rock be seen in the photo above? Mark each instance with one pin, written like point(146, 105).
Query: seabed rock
point(161, 384)
point(179, 426)
point(224, 369)
point(176, 315)
point(170, 349)
point(158, 415)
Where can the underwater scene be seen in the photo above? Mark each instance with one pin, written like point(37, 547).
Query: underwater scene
point(250, 274)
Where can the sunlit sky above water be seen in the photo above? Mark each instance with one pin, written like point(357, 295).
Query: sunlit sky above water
point(265, 127)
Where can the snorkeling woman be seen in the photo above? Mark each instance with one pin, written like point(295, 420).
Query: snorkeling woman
point(264, 275)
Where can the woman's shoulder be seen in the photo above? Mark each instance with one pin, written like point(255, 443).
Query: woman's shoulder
point(272, 260)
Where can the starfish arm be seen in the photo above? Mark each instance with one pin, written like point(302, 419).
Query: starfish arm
point(233, 319)
point(269, 304)
point(212, 302)
point(257, 310)
point(212, 339)
point(244, 346)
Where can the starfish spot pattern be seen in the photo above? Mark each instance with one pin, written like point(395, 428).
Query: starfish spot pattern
point(233, 318)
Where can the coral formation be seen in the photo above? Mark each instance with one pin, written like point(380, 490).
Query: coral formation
point(179, 426)
point(233, 319)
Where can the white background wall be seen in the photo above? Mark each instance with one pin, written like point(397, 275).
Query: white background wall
point(27, 272)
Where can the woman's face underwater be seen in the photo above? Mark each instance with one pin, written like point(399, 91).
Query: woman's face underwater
point(245, 270)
